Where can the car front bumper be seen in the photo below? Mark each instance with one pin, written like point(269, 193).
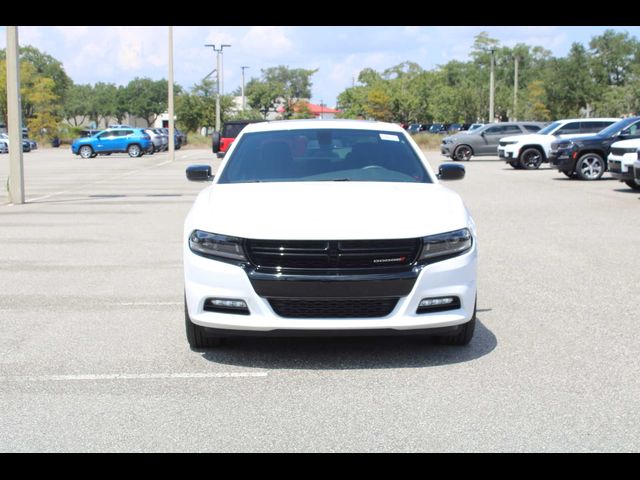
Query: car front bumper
point(621, 166)
point(562, 160)
point(206, 278)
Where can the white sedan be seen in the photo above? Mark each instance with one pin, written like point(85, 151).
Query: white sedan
point(328, 227)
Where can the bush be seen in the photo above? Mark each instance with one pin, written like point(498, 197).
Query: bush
point(428, 141)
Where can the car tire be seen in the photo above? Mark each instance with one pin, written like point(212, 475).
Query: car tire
point(196, 335)
point(530, 159)
point(515, 165)
point(464, 336)
point(134, 150)
point(590, 166)
point(633, 184)
point(462, 153)
point(86, 151)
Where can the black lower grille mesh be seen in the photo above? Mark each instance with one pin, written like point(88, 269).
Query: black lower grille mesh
point(333, 308)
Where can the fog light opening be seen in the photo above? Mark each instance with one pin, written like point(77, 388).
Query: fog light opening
point(226, 305)
point(438, 304)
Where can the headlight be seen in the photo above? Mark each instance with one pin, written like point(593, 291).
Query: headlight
point(216, 246)
point(446, 244)
point(509, 142)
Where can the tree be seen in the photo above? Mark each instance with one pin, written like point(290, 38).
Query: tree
point(146, 98)
point(75, 109)
point(613, 55)
point(277, 85)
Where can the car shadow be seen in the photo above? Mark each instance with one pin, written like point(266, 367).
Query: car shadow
point(625, 190)
point(347, 353)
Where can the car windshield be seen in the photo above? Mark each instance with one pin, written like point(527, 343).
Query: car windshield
point(614, 128)
point(549, 128)
point(326, 154)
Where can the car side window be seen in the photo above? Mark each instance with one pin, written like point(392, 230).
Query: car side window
point(532, 128)
point(511, 129)
point(105, 135)
point(632, 130)
point(494, 130)
point(569, 129)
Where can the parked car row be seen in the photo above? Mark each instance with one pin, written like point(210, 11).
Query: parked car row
point(414, 128)
point(125, 139)
point(582, 147)
point(27, 144)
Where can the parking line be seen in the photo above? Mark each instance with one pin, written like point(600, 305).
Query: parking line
point(31, 200)
point(132, 376)
point(129, 304)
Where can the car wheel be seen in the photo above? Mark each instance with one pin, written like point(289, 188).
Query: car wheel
point(590, 166)
point(633, 184)
point(464, 336)
point(530, 159)
point(515, 165)
point(462, 153)
point(134, 150)
point(86, 151)
point(196, 334)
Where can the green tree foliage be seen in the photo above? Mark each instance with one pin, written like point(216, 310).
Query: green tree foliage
point(277, 85)
point(146, 98)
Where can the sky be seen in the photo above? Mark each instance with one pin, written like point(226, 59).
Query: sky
point(93, 54)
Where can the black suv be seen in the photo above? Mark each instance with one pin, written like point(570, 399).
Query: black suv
point(586, 157)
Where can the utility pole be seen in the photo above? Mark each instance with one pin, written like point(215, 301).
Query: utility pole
point(172, 138)
point(491, 90)
point(244, 99)
point(515, 92)
point(14, 119)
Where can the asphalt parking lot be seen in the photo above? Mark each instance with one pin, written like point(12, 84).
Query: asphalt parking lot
point(93, 355)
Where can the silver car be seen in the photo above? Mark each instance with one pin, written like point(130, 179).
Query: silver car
point(156, 140)
point(484, 140)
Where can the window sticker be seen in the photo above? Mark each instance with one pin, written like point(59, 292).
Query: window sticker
point(386, 136)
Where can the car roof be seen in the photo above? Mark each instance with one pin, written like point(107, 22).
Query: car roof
point(308, 124)
point(599, 119)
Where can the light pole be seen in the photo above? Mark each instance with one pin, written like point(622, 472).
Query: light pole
point(515, 91)
point(219, 52)
point(491, 91)
point(14, 119)
point(172, 139)
point(222, 66)
point(244, 100)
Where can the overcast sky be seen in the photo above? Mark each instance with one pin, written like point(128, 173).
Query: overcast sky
point(118, 54)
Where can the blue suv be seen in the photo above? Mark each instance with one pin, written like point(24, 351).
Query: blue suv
point(133, 141)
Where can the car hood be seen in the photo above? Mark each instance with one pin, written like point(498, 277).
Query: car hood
point(578, 138)
point(532, 137)
point(329, 210)
point(633, 143)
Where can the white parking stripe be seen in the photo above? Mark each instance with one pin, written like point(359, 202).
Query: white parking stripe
point(111, 177)
point(149, 303)
point(131, 376)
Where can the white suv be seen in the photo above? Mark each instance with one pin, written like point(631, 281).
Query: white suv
point(328, 227)
point(529, 151)
point(620, 161)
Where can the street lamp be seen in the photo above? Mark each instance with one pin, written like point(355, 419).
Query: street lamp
point(219, 52)
point(244, 100)
point(491, 90)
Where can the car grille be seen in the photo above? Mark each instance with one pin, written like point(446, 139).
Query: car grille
point(333, 308)
point(283, 255)
point(637, 172)
point(615, 166)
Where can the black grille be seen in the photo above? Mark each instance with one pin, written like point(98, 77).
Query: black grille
point(615, 166)
point(333, 308)
point(332, 255)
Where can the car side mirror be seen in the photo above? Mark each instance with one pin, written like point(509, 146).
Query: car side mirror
point(215, 142)
point(482, 134)
point(199, 173)
point(451, 171)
